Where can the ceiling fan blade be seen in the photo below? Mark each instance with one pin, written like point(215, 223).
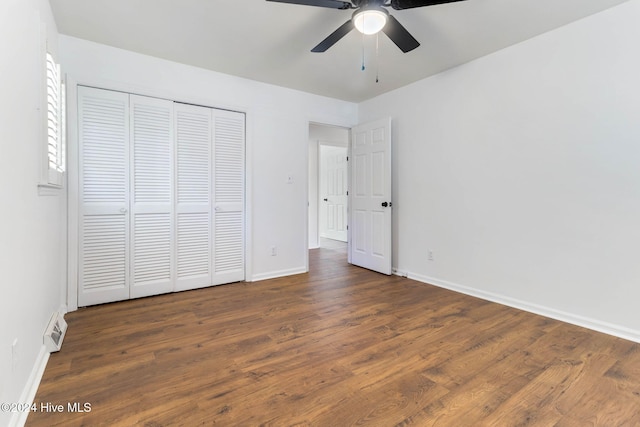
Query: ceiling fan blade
point(333, 38)
point(409, 4)
point(332, 4)
point(399, 35)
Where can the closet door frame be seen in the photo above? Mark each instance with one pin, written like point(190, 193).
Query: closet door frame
point(72, 179)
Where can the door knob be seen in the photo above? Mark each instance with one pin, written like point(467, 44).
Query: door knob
point(385, 204)
point(326, 200)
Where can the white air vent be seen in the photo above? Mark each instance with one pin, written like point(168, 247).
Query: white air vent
point(54, 334)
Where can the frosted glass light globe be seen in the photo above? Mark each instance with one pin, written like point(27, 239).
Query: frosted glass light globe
point(370, 21)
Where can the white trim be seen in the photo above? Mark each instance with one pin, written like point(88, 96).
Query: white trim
point(165, 93)
point(73, 207)
point(248, 193)
point(49, 190)
point(334, 143)
point(306, 198)
point(62, 310)
point(350, 193)
point(317, 194)
point(18, 419)
point(574, 319)
point(280, 273)
point(397, 272)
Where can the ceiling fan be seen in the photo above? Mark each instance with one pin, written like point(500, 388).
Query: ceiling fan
point(370, 16)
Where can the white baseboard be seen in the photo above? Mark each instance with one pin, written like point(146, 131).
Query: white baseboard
point(29, 393)
point(397, 272)
point(585, 322)
point(276, 274)
point(63, 309)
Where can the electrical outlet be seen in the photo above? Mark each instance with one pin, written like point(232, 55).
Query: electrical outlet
point(274, 250)
point(430, 255)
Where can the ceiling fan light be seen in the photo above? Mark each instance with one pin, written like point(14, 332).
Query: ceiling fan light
point(370, 21)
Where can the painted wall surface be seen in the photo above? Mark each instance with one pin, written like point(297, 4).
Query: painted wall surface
point(32, 227)
point(328, 135)
point(277, 132)
point(520, 171)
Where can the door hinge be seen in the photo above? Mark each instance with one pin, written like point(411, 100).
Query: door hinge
point(347, 158)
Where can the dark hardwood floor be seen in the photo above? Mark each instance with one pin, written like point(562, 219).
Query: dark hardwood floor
point(339, 346)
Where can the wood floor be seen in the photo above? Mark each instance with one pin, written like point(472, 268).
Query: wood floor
point(339, 346)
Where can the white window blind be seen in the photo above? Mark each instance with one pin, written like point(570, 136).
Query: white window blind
point(55, 116)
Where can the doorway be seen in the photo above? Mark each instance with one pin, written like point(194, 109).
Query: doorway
point(368, 178)
point(328, 177)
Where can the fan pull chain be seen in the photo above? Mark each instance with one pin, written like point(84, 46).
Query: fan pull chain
point(362, 51)
point(377, 55)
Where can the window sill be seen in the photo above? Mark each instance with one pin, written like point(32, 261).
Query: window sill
point(49, 190)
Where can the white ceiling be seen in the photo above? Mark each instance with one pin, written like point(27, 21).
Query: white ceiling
point(271, 42)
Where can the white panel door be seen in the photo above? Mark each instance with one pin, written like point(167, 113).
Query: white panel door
point(152, 146)
point(333, 192)
point(193, 196)
point(228, 196)
point(370, 202)
point(103, 229)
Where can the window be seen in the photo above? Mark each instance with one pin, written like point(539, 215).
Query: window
point(54, 155)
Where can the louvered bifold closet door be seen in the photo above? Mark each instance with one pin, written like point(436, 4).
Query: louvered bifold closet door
point(193, 196)
point(152, 239)
point(103, 126)
point(229, 190)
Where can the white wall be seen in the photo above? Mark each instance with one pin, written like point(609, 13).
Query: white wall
point(32, 230)
point(326, 135)
point(521, 172)
point(277, 134)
